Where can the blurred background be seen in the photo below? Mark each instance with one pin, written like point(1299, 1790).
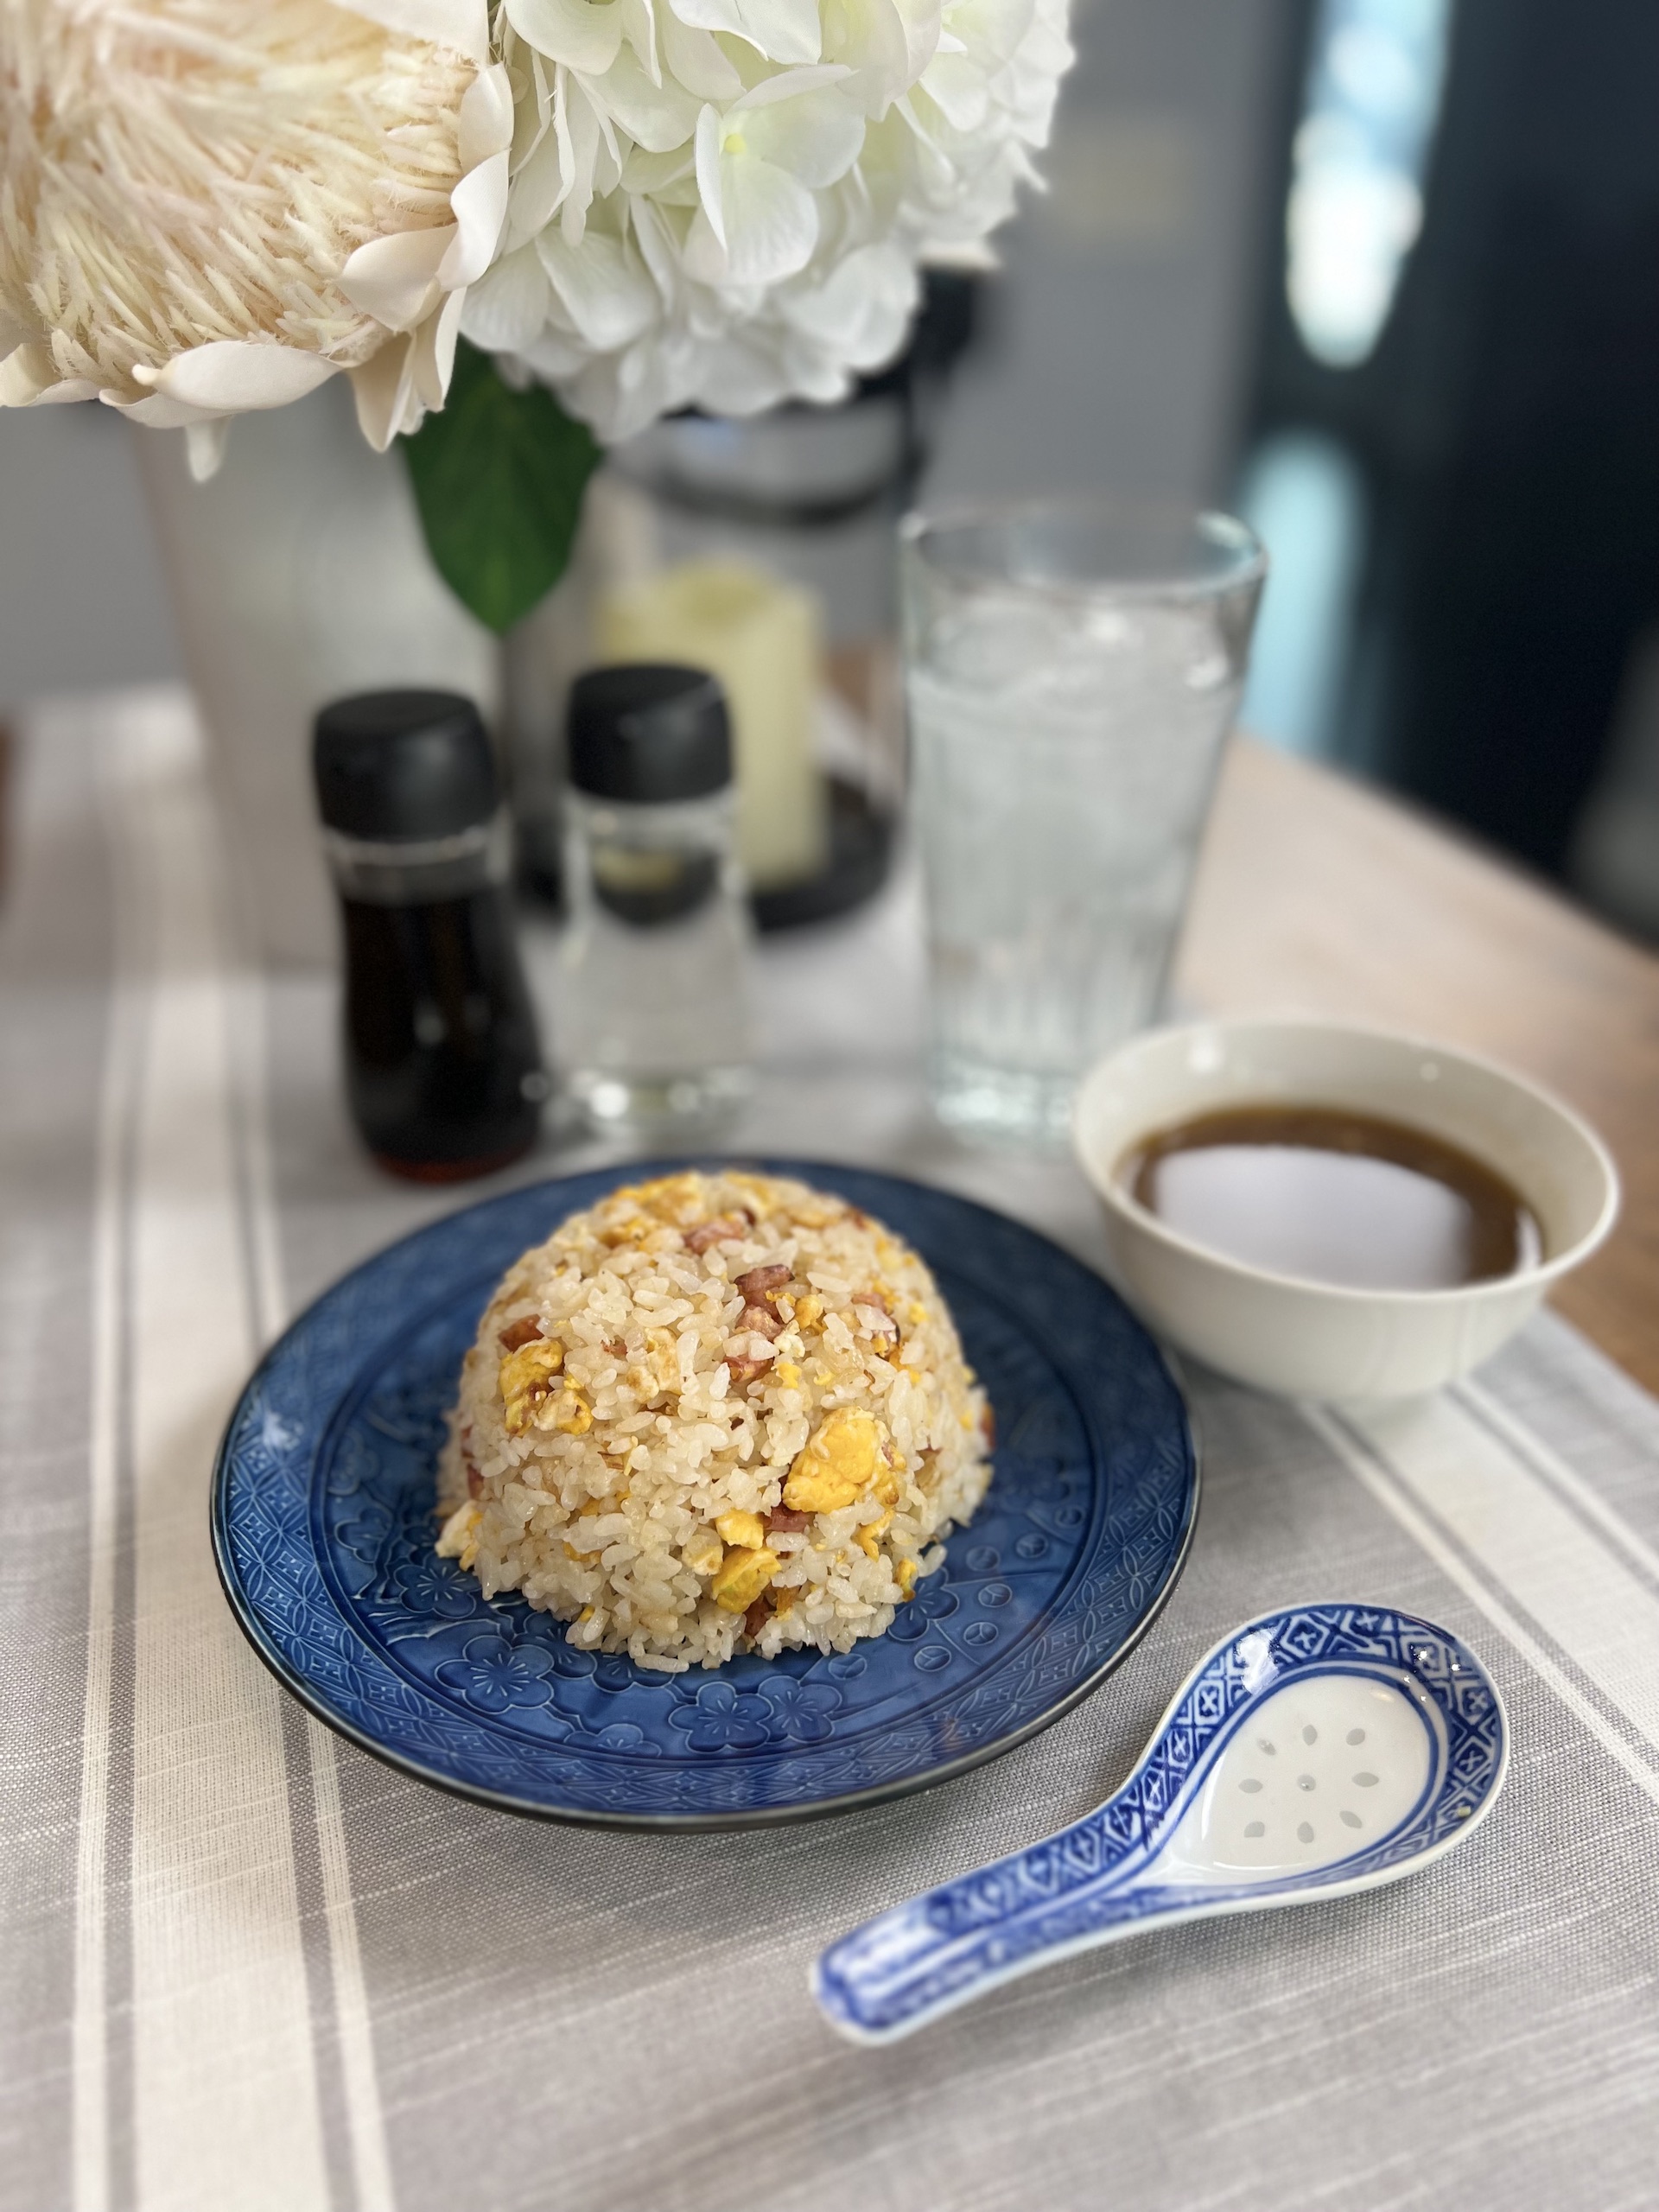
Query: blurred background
point(1381, 275)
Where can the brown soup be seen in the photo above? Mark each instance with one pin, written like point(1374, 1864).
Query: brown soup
point(1335, 1197)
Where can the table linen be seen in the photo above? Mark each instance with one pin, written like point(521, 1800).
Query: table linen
point(247, 1966)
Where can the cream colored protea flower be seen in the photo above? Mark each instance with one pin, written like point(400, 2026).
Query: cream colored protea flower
point(209, 206)
point(726, 201)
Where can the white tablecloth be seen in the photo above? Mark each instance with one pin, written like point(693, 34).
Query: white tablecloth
point(248, 1967)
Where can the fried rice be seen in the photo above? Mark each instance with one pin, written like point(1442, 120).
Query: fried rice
point(715, 1413)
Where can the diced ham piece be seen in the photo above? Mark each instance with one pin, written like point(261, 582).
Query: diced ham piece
point(762, 1321)
point(720, 1230)
point(474, 1481)
point(781, 1521)
point(743, 1369)
point(758, 1615)
point(517, 1334)
point(761, 1285)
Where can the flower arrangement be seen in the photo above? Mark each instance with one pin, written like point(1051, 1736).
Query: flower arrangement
point(520, 227)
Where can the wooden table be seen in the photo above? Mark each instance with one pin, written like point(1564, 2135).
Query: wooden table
point(1320, 896)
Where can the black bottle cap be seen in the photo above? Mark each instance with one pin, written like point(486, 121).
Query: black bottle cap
point(403, 766)
point(649, 732)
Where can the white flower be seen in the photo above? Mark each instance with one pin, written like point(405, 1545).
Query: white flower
point(210, 206)
point(725, 202)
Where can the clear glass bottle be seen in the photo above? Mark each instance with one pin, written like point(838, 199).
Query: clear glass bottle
point(654, 1008)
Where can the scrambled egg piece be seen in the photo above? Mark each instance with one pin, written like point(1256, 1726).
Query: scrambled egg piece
point(458, 1538)
point(869, 1538)
point(744, 1573)
point(569, 1413)
point(525, 1377)
point(838, 1463)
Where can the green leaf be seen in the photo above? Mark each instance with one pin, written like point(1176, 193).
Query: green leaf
point(498, 477)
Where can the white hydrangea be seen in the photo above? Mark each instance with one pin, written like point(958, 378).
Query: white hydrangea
point(211, 206)
point(725, 201)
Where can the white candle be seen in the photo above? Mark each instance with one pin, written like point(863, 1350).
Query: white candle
point(760, 637)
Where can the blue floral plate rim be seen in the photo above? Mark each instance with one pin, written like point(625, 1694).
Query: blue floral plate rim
point(568, 1192)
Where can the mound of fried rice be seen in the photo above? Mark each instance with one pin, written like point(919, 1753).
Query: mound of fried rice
point(715, 1413)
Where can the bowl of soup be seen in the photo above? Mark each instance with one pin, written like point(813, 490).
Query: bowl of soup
point(1332, 1211)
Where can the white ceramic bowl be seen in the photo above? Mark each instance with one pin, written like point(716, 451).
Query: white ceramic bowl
point(1311, 1339)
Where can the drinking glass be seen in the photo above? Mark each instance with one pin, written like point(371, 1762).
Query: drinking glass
point(1072, 667)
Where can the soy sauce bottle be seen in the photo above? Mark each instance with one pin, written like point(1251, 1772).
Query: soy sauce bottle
point(442, 1071)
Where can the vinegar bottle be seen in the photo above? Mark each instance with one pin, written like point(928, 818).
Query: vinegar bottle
point(654, 1010)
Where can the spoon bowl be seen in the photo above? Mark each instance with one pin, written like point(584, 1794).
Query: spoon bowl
point(1315, 1751)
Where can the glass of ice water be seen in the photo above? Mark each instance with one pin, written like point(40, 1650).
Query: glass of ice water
point(1072, 667)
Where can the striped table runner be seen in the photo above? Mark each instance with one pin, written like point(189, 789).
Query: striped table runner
point(247, 1967)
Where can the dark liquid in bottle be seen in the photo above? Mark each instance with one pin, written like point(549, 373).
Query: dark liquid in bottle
point(442, 1069)
point(1334, 1197)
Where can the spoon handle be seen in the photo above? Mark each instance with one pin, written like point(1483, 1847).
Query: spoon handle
point(952, 1943)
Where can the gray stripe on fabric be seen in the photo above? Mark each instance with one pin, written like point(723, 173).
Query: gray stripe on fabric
point(117, 1836)
point(1404, 1500)
point(1640, 1745)
point(262, 1287)
point(254, 1290)
point(295, 1064)
point(319, 1963)
point(1597, 1519)
point(54, 940)
point(1575, 1404)
point(136, 954)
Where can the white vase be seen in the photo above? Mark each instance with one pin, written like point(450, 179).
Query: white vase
point(298, 573)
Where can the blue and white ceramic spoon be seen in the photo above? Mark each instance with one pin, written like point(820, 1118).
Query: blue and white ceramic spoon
point(1322, 1749)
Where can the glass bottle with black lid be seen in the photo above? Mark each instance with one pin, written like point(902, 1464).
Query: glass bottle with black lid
point(654, 1006)
point(442, 1069)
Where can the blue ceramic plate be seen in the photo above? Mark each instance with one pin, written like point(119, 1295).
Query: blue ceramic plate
point(323, 1528)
